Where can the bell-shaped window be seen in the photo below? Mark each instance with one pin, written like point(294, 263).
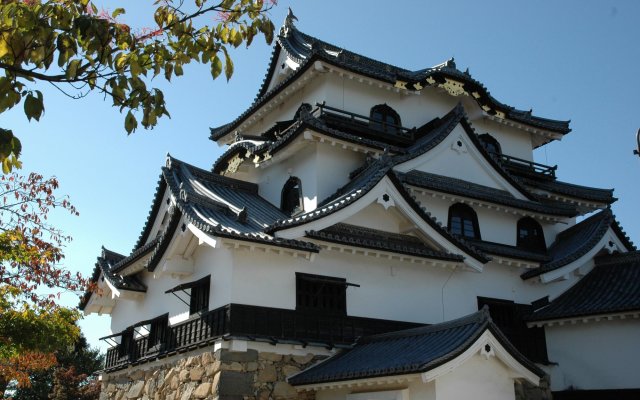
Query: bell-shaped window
point(292, 201)
point(490, 143)
point(463, 221)
point(384, 118)
point(530, 235)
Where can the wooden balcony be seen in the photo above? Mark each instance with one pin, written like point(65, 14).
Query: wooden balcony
point(252, 323)
point(364, 126)
point(527, 168)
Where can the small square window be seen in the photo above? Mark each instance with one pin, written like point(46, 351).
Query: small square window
point(321, 294)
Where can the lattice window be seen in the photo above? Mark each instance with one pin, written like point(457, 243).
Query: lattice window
point(199, 299)
point(321, 294)
point(463, 221)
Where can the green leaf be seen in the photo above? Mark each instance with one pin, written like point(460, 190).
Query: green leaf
point(72, 69)
point(33, 106)
point(228, 64)
point(117, 12)
point(216, 67)
point(130, 123)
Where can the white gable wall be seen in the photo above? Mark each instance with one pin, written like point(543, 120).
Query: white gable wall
point(513, 142)
point(594, 355)
point(479, 378)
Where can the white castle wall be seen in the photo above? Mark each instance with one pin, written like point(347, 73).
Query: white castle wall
point(594, 355)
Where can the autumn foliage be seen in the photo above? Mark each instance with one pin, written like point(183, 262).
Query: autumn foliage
point(32, 326)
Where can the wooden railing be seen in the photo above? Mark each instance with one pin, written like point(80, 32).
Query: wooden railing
point(253, 322)
point(362, 124)
point(526, 167)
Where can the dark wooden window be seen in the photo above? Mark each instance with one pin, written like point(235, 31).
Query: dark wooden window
point(126, 343)
point(322, 294)
point(158, 330)
point(199, 298)
point(384, 118)
point(490, 143)
point(292, 201)
point(530, 235)
point(509, 317)
point(463, 221)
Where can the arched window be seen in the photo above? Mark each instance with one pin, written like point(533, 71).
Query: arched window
point(384, 118)
point(490, 143)
point(291, 201)
point(463, 221)
point(530, 235)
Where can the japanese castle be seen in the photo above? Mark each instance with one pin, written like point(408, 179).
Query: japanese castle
point(372, 233)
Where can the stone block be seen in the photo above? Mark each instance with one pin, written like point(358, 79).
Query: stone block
point(303, 359)
point(110, 388)
point(136, 375)
point(187, 390)
point(233, 366)
point(270, 356)
point(212, 369)
point(207, 358)
point(251, 366)
point(264, 395)
point(202, 390)
point(184, 375)
point(268, 374)
point(233, 383)
point(172, 372)
point(289, 370)
point(196, 373)
point(135, 390)
point(282, 390)
point(238, 356)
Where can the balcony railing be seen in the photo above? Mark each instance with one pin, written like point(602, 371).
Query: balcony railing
point(525, 167)
point(365, 126)
point(252, 322)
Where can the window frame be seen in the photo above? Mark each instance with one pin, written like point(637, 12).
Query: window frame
point(532, 242)
point(383, 123)
point(465, 213)
point(488, 140)
point(291, 185)
point(330, 294)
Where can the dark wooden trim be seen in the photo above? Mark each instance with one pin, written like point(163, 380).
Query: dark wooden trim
point(253, 323)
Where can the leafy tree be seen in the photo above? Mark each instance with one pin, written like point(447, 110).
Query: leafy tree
point(71, 379)
point(77, 48)
point(32, 326)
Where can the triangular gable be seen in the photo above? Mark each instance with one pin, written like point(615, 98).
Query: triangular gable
point(384, 188)
point(453, 150)
point(575, 248)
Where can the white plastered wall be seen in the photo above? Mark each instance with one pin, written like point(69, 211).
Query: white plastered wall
point(478, 378)
point(208, 261)
point(595, 355)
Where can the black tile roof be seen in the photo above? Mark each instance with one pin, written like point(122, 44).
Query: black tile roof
point(105, 265)
point(573, 243)
point(380, 240)
point(407, 352)
point(568, 189)
point(225, 207)
point(472, 190)
point(611, 287)
point(505, 250)
point(306, 49)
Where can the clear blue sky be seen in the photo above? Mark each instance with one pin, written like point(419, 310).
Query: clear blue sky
point(575, 60)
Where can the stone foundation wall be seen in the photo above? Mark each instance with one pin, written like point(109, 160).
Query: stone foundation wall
point(222, 375)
